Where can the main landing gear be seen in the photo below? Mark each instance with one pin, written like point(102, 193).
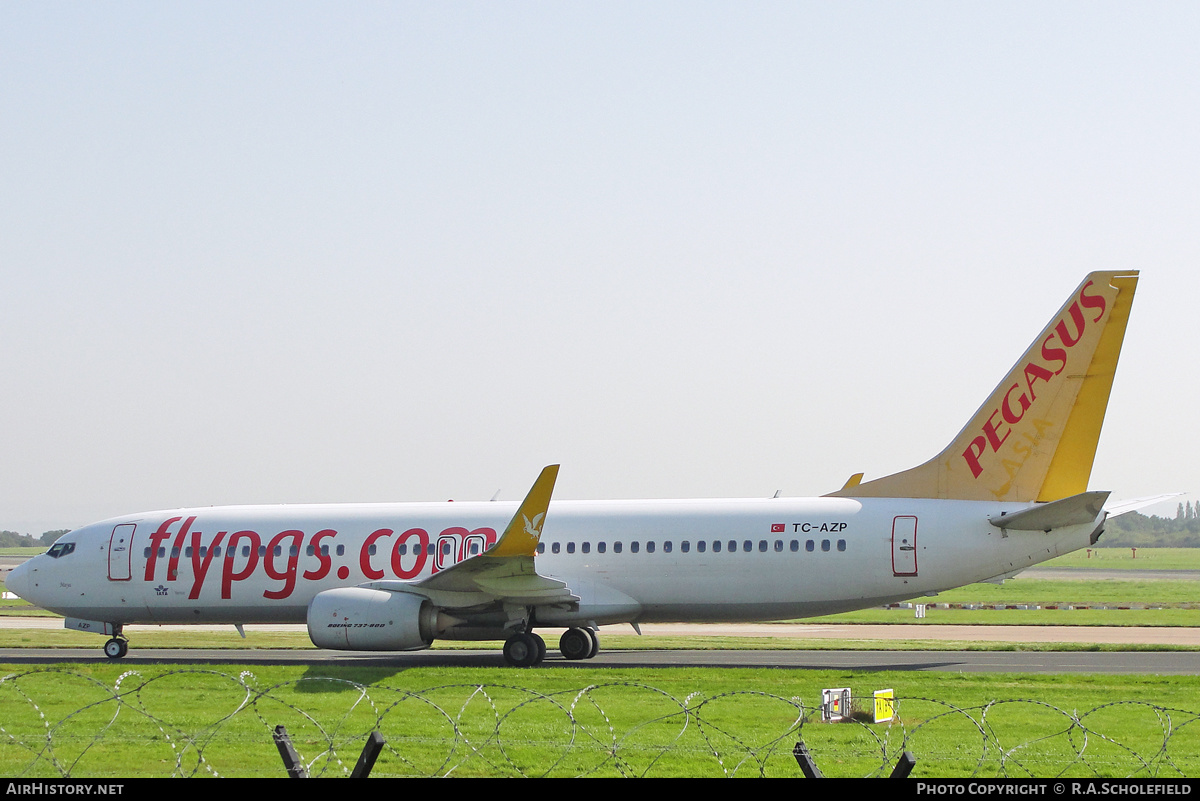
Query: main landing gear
point(579, 644)
point(526, 649)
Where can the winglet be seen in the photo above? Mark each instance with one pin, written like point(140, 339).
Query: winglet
point(520, 537)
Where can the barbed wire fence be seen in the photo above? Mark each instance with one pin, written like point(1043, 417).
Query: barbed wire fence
point(59, 723)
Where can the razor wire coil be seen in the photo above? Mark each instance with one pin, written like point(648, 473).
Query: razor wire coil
point(59, 723)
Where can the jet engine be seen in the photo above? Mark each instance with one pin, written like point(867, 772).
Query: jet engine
point(361, 619)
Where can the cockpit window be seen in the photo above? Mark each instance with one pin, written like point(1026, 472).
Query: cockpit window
point(60, 549)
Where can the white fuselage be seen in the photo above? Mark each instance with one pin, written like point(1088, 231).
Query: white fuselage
point(627, 561)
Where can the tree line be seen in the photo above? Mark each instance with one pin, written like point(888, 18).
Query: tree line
point(13, 539)
point(1141, 531)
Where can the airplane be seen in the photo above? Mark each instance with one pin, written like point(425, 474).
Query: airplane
point(1008, 492)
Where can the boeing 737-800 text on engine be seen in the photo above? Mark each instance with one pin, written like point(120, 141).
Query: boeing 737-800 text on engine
point(1008, 492)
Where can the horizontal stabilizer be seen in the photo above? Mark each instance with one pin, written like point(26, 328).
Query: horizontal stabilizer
point(1073, 511)
point(1133, 504)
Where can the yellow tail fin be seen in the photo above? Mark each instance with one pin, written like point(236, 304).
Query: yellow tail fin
point(1035, 437)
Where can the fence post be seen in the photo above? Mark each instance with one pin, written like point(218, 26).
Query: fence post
point(904, 766)
point(800, 752)
point(291, 760)
point(370, 753)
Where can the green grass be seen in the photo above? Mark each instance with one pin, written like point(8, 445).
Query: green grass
point(27, 551)
point(1125, 559)
point(589, 722)
point(1178, 602)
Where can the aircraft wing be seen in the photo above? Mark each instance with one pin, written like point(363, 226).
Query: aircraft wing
point(503, 574)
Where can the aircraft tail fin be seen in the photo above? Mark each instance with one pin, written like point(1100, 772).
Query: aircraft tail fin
point(1035, 437)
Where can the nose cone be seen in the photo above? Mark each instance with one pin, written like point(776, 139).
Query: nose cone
point(20, 580)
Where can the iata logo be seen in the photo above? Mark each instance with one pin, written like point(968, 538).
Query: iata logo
point(1019, 397)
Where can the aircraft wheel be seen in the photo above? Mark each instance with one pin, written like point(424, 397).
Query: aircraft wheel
point(541, 647)
point(595, 647)
point(521, 650)
point(576, 644)
point(115, 649)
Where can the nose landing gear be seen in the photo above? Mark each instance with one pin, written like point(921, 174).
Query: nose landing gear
point(118, 646)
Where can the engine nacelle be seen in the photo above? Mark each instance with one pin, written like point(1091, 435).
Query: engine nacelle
point(360, 619)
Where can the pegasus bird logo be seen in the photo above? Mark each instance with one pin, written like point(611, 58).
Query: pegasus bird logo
point(534, 529)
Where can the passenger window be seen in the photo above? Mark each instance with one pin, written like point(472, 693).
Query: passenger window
point(778, 546)
point(587, 547)
point(733, 546)
point(570, 547)
point(667, 546)
point(810, 546)
point(541, 547)
point(554, 548)
point(650, 547)
point(701, 545)
point(685, 546)
point(794, 546)
point(824, 545)
point(616, 547)
point(600, 548)
point(633, 547)
point(841, 545)
point(716, 546)
point(762, 546)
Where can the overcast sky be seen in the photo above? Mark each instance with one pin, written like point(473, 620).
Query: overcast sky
point(286, 252)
